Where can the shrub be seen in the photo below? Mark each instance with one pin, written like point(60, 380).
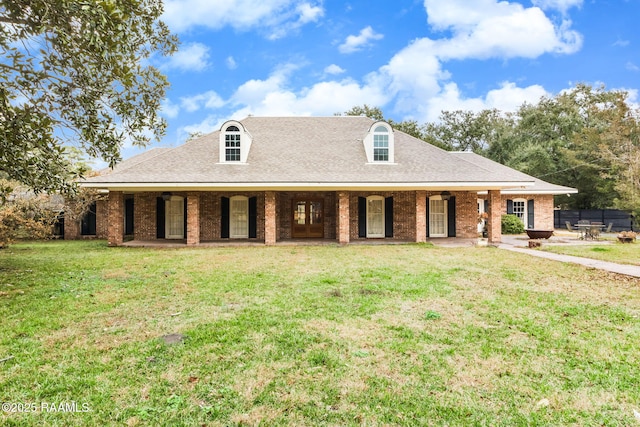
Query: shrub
point(511, 224)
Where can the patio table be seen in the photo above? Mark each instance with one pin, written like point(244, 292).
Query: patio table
point(589, 231)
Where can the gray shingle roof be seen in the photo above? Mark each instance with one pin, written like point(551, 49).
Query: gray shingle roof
point(539, 187)
point(314, 152)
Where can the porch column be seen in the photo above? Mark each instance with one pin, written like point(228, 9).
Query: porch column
point(269, 217)
point(343, 217)
point(115, 227)
point(494, 222)
point(421, 216)
point(193, 219)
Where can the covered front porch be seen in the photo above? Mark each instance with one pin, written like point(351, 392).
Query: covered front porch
point(296, 217)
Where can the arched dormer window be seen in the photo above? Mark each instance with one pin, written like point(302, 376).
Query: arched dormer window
point(379, 143)
point(235, 143)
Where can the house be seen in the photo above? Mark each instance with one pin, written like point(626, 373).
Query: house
point(342, 179)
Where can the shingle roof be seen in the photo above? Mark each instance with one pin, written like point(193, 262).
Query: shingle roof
point(315, 152)
point(539, 186)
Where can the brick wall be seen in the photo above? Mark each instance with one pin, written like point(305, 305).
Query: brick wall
point(144, 215)
point(543, 208)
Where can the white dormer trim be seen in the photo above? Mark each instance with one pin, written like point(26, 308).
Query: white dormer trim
point(228, 129)
point(374, 143)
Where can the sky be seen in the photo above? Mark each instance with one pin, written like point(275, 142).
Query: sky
point(411, 58)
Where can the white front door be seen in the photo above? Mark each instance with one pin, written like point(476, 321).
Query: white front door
point(437, 217)
point(174, 218)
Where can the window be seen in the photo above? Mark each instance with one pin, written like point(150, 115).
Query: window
point(520, 210)
point(232, 144)
point(381, 144)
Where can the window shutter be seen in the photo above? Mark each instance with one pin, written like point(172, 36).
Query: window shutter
point(128, 216)
point(362, 217)
point(427, 217)
point(253, 217)
point(184, 217)
point(486, 206)
point(510, 207)
point(224, 217)
point(451, 217)
point(530, 214)
point(159, 218)
point(388, 217)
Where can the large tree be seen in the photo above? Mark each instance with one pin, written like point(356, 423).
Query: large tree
point(76, 73)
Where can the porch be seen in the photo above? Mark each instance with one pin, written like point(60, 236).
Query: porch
point(214, 218)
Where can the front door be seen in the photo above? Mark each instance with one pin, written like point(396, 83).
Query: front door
point(308, 219)
point(174, 218)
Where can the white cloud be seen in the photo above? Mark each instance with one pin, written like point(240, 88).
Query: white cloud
point(334, 69)
point(632, 67)
point(210, 100)
point(168, 109)
point(231, 63)
point(561, 5)
point(191, 57)
point(276, 16)
point(359, 42)
point(486, 28)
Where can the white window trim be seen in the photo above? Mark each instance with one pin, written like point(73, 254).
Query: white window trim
point(245, 231)
point(245, 143)
point(368, 144)
point(371, 235)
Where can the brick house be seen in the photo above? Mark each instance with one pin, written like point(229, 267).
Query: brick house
point(342, 179)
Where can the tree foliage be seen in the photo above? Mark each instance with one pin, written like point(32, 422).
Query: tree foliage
point(76, 73)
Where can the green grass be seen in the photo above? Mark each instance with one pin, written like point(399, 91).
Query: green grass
point(324, 335)
point(622, 253)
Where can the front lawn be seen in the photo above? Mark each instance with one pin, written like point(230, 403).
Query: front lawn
point(622, 253)
point(313, 335)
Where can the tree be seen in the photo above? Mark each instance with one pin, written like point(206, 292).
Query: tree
point(76, 73)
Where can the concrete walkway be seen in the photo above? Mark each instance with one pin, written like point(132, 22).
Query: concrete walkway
point(512, 244)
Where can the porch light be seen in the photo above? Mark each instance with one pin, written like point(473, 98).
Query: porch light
point(445, 195)
point(166, 196)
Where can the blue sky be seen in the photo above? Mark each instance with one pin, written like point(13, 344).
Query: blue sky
point(411, 58)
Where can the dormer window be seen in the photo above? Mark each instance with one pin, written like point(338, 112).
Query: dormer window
point(379, 143)
point(232, 144)
point(235, 143)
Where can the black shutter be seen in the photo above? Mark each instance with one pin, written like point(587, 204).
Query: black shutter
point(224, 217)
point(388, 217)
point(510, 207)
point(362, 217)
point(253, 217)
point(88, 223)
point(184, 217)
point(530, 214)
point(486, 206)
point(128, 216)
point(160, 218)
point(451, 217)
point(428, 203)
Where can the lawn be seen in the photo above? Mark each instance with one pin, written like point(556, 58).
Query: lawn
point(622, 253)
point(314, 335)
